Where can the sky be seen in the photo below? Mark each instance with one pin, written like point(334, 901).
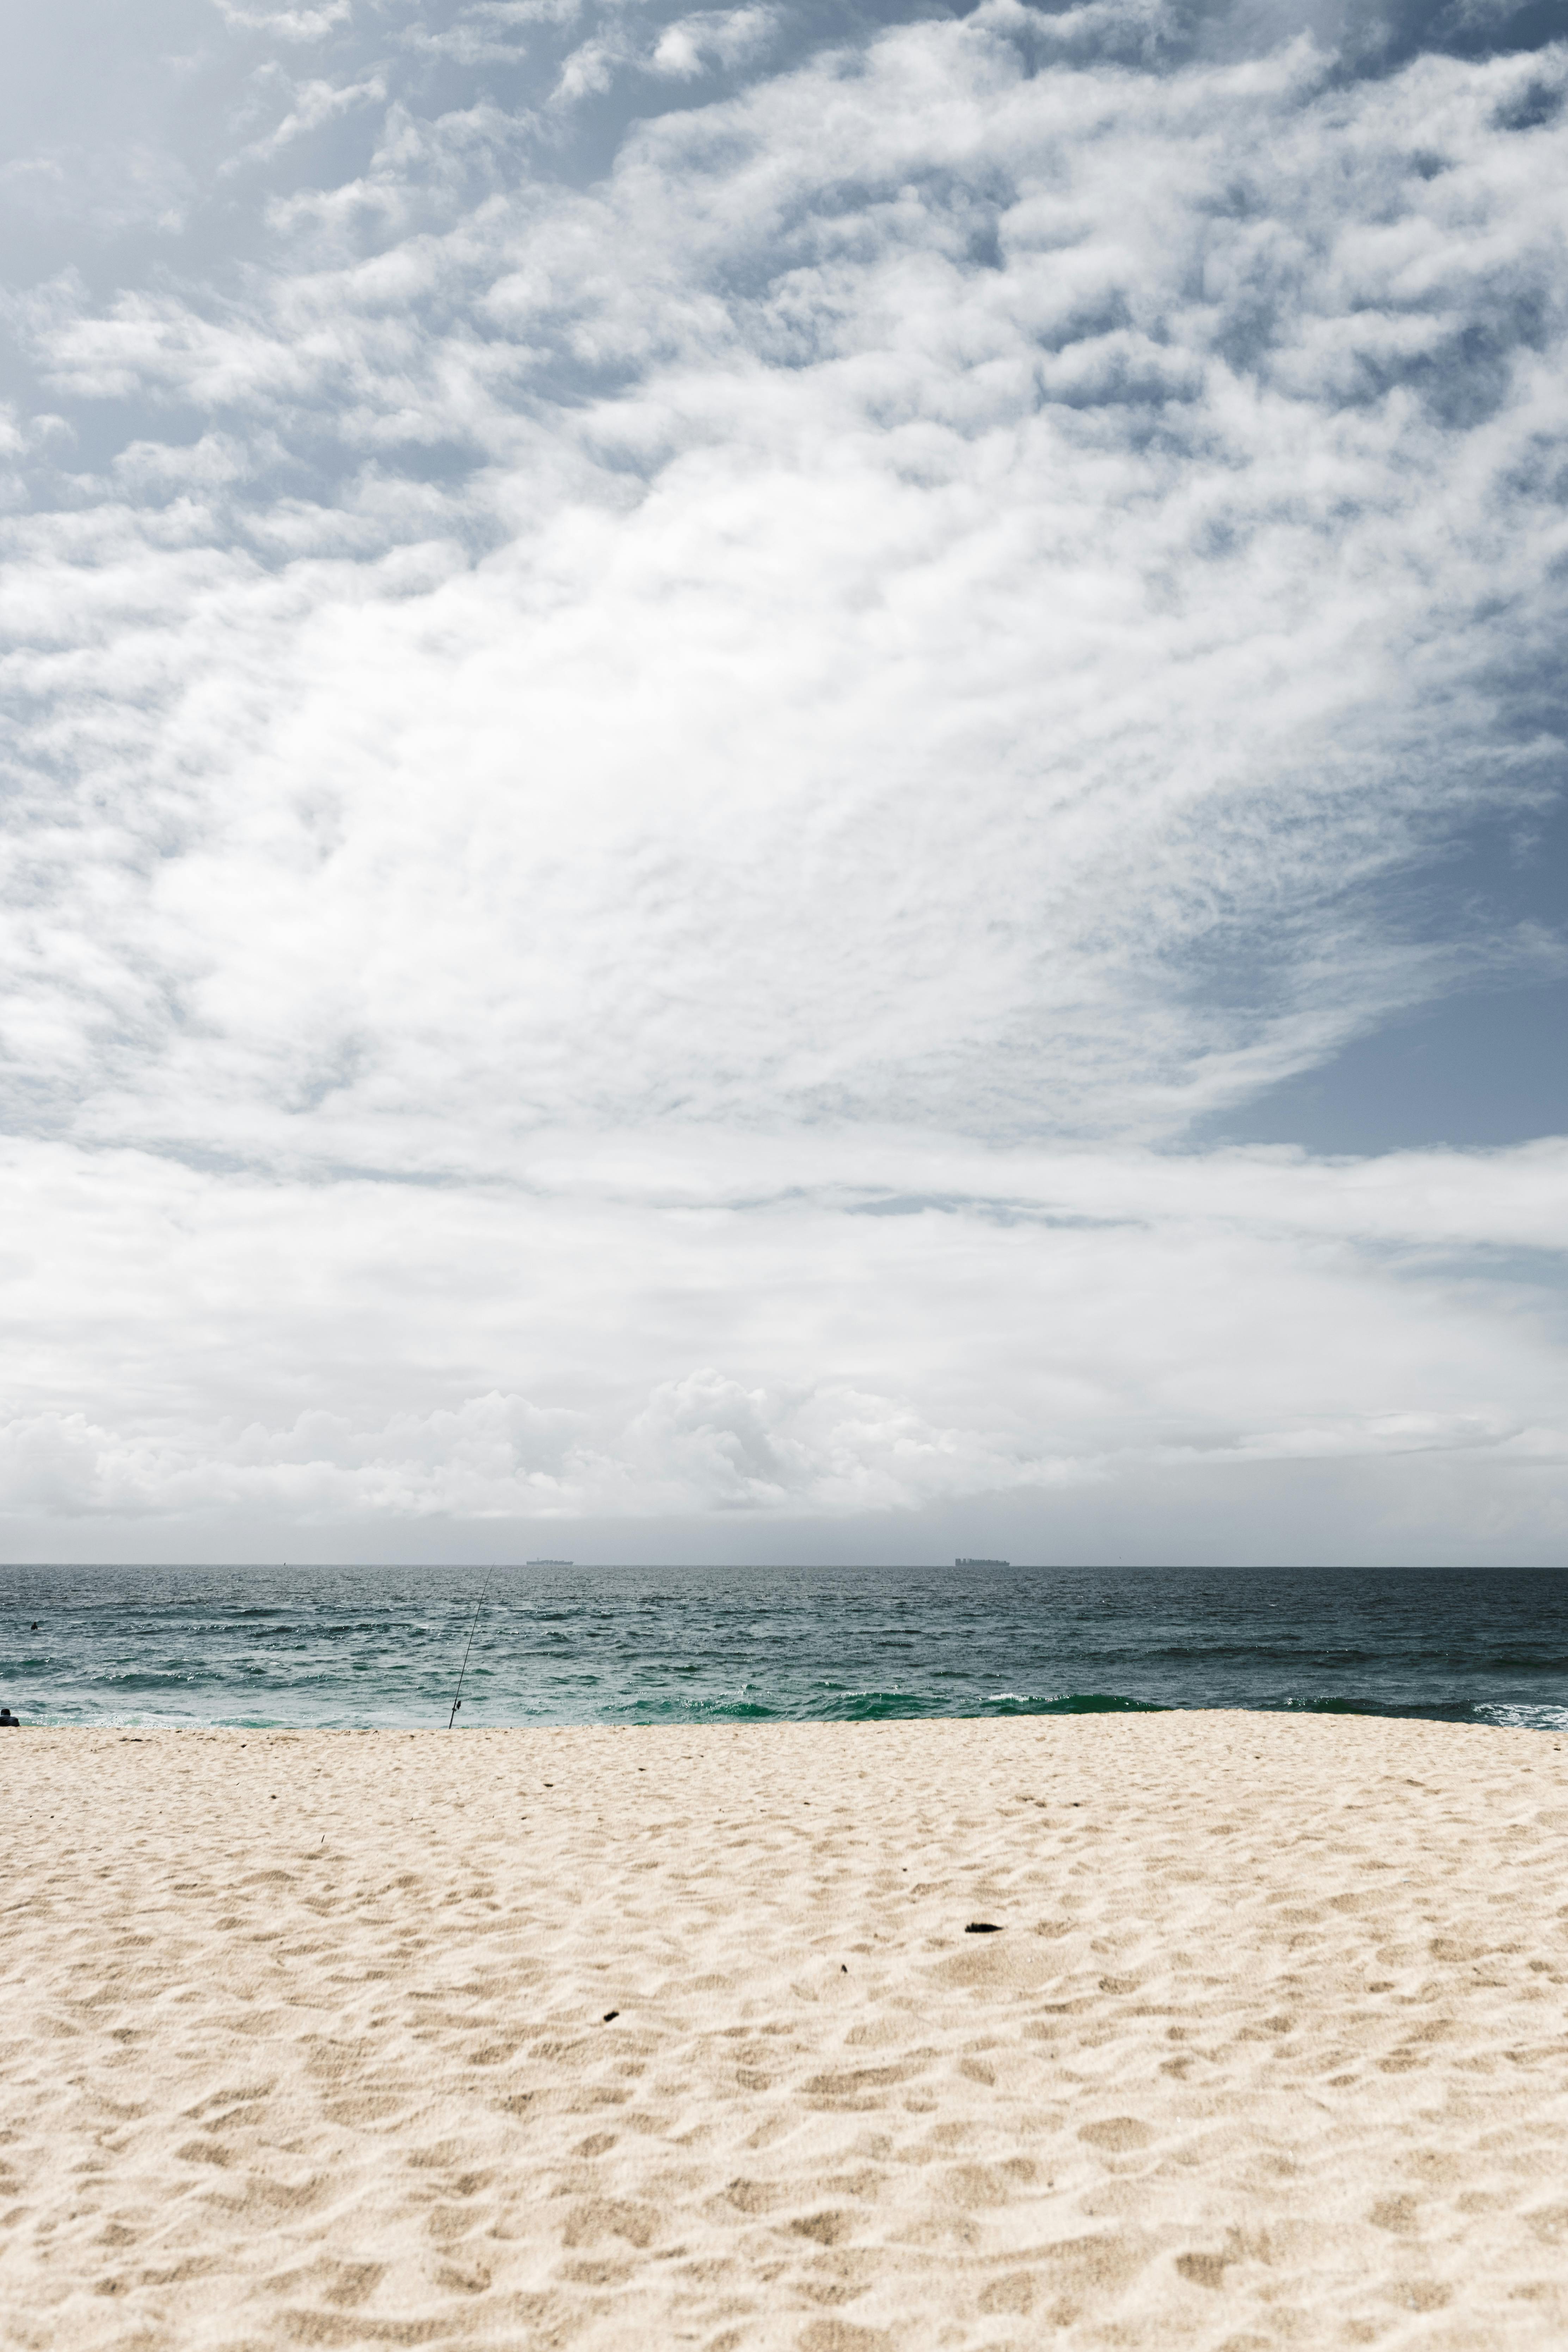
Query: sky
point(784, 782)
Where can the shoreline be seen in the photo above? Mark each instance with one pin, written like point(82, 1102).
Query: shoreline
point(1077, 1708)
point(609, 2033)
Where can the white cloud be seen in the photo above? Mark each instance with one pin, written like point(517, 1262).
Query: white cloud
point(711, 36)
point(310, 106)
point(289, 23)
point(653, 1327)
point(493, 33)
point(893, 631)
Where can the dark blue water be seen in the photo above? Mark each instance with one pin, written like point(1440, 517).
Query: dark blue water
point(363, 1646)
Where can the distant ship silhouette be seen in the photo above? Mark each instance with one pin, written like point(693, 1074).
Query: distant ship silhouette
point(982, 1563)
point(548, 1563)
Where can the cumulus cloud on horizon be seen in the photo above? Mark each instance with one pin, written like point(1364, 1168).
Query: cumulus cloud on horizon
point(677, 694)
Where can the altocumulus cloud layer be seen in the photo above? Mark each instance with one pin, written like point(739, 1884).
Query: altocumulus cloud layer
point(689, 696)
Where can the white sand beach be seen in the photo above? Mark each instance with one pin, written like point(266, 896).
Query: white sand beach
point(305, 2037)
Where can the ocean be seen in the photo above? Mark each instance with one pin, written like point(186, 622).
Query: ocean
point(325, 1647)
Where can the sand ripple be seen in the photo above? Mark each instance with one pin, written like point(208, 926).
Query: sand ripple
point(306, 2037)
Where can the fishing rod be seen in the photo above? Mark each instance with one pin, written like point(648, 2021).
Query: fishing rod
point(457, 1702)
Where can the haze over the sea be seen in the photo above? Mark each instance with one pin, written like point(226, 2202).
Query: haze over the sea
point(784, 782)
